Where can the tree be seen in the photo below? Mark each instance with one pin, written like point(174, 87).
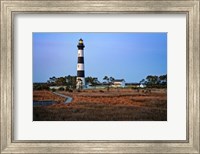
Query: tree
point(163, 80)
point(40, 86)
point(152, 80)
point(156, 81)
point(61, 81)
point(106, 78)
point(70, 82)
point(142, 81)
point(52, 81)
point(109, 81)
point(92, 81)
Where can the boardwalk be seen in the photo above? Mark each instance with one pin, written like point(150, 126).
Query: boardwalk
point(43, 103)
point(68, 99)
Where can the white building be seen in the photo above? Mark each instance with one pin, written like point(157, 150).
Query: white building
point(118, 83)
point(142, 85)
point(57, 87)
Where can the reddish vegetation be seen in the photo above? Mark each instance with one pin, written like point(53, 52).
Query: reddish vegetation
point(118, 105)
point(46, 95)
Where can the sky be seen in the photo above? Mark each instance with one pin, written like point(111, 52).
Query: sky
point(128, 56)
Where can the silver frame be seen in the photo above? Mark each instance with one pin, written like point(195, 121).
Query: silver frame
point(8, 10)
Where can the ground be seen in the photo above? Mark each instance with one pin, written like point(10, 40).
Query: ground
point(103, 105)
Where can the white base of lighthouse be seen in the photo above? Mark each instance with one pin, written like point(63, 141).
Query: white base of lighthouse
point(80, 83)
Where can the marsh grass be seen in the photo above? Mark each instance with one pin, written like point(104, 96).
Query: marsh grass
point(103, 106)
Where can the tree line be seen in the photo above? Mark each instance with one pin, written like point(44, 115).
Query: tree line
point(70, 82)
point(152, 81)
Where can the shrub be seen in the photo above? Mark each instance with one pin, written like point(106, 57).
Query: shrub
point(53, 89)
point(101, 91)
point(70, 90)
point(61, 89)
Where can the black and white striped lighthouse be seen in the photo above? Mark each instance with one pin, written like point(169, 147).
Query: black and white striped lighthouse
point(80, 80)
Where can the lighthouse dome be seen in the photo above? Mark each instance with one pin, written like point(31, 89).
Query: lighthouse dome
point(81, 40)
point(80, 44)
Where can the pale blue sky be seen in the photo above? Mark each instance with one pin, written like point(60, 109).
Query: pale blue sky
point(129, 56)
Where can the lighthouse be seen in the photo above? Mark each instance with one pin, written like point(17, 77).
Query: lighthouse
point(80, 80)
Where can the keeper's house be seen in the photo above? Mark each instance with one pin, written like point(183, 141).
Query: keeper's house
point(118, 83)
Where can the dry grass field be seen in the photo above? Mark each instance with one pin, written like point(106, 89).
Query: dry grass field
point(40, 95)
point(103, 105)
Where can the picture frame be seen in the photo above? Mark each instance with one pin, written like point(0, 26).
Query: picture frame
point(8, 10)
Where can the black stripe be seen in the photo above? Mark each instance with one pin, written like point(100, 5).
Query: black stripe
point(80, 74)
point(81, 60)
point(80, 46)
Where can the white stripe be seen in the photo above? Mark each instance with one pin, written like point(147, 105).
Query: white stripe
point(80, 67)
point(80, 53)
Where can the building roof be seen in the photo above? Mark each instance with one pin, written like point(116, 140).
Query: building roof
point(132, 83)
point(118, 80)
